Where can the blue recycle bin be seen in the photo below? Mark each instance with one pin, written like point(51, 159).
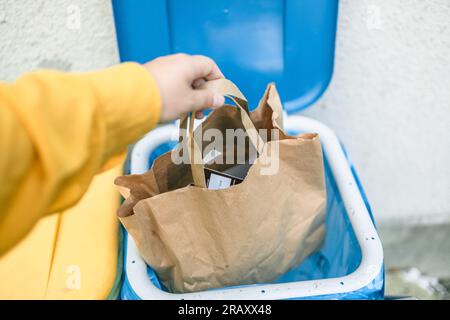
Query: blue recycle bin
point(255, 42)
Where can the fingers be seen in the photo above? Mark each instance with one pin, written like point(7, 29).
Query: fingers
point(199, 115)
point(204, 98)
point(205, 68)
point(198, 83)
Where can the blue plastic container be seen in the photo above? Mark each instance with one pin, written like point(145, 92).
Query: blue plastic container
point(255, 42)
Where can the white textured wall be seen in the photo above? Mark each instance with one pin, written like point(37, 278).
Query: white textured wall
point(76, 35)
point(389, 100)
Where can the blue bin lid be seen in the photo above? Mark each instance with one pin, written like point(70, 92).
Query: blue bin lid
point(289, 42)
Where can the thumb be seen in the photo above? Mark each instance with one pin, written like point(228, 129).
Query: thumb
point(204, 98)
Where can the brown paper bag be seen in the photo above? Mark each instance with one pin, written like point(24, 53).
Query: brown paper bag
point(195, 238)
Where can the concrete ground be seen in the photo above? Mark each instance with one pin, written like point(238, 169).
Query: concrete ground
point(417, 260)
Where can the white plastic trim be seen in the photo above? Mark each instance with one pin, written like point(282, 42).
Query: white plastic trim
point(368, 239)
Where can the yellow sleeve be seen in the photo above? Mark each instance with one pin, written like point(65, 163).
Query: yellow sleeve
point(58, 130)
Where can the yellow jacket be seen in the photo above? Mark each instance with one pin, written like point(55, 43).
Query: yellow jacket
point(58, 130)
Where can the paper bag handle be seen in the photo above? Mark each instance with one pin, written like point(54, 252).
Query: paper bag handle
point(223, 87)
point(195, 156)
point(229, 89)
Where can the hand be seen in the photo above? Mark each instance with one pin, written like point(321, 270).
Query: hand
point(178, 77)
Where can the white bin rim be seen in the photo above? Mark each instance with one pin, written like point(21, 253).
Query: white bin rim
point(371, 249)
